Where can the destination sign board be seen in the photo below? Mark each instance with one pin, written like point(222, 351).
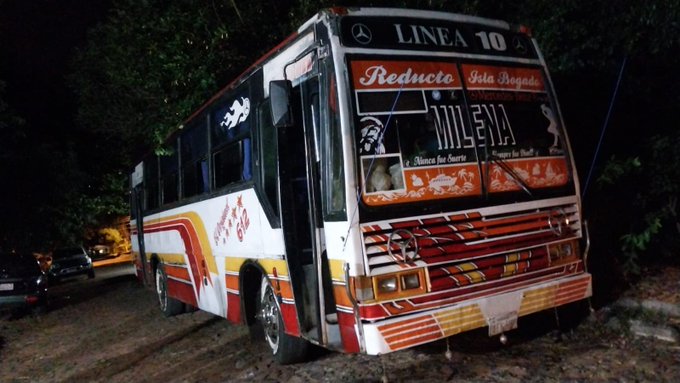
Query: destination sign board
point(433, 35)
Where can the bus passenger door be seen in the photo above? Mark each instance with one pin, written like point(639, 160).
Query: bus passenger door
point(300, 206)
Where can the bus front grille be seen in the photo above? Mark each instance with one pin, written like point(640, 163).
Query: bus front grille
point(465, 249)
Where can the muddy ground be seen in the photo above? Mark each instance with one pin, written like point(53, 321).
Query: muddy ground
point(110, 330)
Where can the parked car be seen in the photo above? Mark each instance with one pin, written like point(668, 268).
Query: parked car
point(22, 283)
point(70, 262)
point(99, 252)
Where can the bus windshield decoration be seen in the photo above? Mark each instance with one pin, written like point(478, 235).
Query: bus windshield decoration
point(408, 178)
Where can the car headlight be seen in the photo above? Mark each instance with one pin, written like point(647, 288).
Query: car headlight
point(40, 280)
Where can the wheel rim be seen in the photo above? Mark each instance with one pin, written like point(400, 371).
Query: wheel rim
point(270, 318)
point(161, 289)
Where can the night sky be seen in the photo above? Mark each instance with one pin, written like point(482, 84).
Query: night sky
point(37, 39)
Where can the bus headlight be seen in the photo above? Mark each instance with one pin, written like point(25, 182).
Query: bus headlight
point(391, 286)
point(400, 285)
point(410, 281)
point(387, 284)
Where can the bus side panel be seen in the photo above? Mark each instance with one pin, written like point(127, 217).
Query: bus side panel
point(338, 252)
point(182, 291)
point(350, 342)
point(179, 283)
point(231, 281)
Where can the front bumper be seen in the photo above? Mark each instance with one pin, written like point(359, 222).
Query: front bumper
point(70, 271)
point(499, 312)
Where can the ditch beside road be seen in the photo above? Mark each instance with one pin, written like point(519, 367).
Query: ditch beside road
point(109, 329)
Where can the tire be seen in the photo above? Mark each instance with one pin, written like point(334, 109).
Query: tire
point(169, 306)
point(90, 274)
point(285, 348)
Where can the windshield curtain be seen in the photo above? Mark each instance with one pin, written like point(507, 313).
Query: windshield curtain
point(428, 130)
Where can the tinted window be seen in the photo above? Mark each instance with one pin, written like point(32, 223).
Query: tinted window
point(232, 163)
point(67, 252)
point(268, 156)
point(230, 137)
point(151, 183)
point(194, 149)
point(231, 119)
point(169, 176)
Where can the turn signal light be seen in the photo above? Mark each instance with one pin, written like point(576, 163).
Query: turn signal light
point(563, 251)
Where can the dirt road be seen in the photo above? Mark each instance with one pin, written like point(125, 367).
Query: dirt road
point(110, 330)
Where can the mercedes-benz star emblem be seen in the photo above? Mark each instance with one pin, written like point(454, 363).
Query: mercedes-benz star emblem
point(518, 44)
point(558, 221)
point(406, 242)
point(361, 33)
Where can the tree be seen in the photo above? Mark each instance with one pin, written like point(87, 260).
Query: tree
point(151, 63)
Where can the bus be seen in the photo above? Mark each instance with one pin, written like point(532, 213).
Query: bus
point(381, 179)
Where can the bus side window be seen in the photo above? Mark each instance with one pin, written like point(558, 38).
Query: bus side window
point(331, 150)
point(151, 183)
point(194, 149)
point(169, 176)
point(232, 163)
point(230, 132)
point(268, 155)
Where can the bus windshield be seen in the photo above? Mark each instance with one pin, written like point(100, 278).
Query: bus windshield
point(433, 129)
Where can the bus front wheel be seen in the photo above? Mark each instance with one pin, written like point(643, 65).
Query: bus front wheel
point(286, 348)
point(169, 306)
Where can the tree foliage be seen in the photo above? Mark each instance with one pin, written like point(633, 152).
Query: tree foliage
point(645, 191)
point(153, 62)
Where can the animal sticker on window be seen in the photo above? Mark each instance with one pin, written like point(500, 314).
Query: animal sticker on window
point(238, 112)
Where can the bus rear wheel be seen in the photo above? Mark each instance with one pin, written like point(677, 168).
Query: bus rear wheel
point(286, 349)
point(169, 306)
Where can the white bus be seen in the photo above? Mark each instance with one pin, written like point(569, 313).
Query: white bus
point(382, 179)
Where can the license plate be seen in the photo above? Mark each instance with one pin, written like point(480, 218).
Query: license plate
point(6, 286)
point(502, 324)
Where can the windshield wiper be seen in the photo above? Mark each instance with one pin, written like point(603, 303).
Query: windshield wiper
point(502, 164)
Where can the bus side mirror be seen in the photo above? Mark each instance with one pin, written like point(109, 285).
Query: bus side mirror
point(279, 99)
